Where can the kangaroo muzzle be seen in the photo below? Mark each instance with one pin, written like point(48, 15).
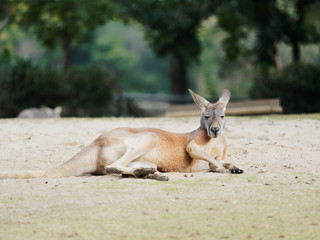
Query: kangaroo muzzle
point(214, 131)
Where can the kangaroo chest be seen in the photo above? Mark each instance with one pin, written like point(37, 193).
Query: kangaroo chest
point(215, 147)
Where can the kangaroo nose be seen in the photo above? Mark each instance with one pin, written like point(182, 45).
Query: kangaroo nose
point(214, 130)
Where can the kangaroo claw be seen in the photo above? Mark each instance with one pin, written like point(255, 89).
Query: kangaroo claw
point(236, 171)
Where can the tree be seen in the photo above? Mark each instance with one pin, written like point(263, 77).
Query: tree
point(171, 29)
point(123, 50)
point(240, 18)
point(63, 22)
point(4, 14)
point(273, 21)
point(298, 30)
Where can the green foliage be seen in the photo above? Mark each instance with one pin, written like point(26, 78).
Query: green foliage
point(171, 30)
point(85, 91)
point(120, 48)
point(250, 34)
point(298, 87)
point(123, 50)
point(5, 55)
point(214, 72)
point(273, 21)
point(64, 22)
point(170, 25)
point(234, 23)
point(206, 73)
point(9, 42)
point(88, 91)
point(49, 20)
point(24, 85)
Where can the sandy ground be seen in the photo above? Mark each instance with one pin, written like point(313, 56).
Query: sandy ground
point(278, 196)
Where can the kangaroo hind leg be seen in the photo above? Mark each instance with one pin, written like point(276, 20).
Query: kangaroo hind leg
point(146, 170)
point(142, 169)
point(135, 147)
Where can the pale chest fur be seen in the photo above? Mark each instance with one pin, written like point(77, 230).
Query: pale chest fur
point(215, 147)
point(201, 147)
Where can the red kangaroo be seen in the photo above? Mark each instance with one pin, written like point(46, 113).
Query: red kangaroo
point(144, 152)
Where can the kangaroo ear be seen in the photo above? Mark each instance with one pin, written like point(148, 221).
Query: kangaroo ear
point(58, 110)
point(200, 101)
point(224, 98)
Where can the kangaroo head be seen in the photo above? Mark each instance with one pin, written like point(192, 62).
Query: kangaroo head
point(212, 117)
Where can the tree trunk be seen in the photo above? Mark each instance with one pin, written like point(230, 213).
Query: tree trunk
point(295, 51)
point(66, 48)
point(5, 10)
point(295, 38)
point(266, 47)
point(178, 74)
point(277, 59)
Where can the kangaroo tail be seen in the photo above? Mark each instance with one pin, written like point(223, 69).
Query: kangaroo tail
point(81, 163)
point(22, 174)
point(53, 173)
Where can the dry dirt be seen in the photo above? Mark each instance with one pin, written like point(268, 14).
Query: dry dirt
point(277, 197)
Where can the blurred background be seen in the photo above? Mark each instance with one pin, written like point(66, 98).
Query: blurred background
point(133, 58)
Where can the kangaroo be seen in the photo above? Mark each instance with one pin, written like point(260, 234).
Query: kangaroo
point(147, 152)
point(43, 112)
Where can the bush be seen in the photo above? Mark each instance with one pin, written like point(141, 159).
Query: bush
point(298, 86)
point(89, 91)
point(85, 91)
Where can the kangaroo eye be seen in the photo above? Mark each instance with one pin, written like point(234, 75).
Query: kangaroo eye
point(222, 117)
point(206, 116)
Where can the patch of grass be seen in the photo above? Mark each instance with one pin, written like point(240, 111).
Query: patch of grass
point(12, 199)
point(249, 177)
point(109, 185)
point(173, 189)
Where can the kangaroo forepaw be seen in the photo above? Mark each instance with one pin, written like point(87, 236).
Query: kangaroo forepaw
point(142, 172)
point(218, 170)
point(236, 171)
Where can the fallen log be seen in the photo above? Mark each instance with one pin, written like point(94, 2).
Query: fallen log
point(239, 108)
